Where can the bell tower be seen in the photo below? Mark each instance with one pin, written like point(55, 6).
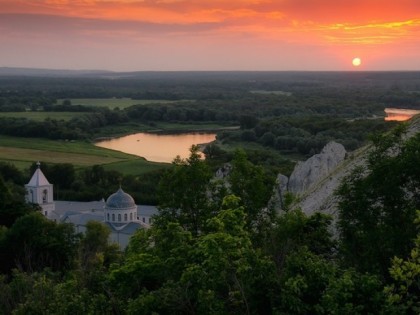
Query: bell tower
point(39, 191)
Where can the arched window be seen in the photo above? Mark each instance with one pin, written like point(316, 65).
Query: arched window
point(107, 216)
point(125, 217)
point(113, 217)
point(32, 196)
point(44, 196)
point(119, 217)
point(131, 216)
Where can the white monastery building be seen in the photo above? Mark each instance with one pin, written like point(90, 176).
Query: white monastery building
point(120, 212)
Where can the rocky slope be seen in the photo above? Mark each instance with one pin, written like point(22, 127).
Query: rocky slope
point(314, 181)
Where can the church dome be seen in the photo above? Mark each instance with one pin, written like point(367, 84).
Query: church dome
point(120, 200)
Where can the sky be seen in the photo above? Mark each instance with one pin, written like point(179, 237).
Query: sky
point(183, 35)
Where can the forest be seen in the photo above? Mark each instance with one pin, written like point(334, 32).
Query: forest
point(216, 248)
point(219, 246)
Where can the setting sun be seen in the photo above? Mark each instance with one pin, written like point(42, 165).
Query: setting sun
point(357, 62)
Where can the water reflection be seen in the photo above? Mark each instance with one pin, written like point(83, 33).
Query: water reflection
point(157, 147)
point(400, 114)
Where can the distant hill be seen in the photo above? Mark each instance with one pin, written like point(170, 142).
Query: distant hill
point(35, 72)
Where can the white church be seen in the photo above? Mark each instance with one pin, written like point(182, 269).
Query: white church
point(120, 213)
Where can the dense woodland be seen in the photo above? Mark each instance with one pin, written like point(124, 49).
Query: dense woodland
point(285, 111)
point(220, 246)
point(218, 249)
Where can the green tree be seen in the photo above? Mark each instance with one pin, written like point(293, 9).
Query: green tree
point(378, 204)
point(34, 243)
point(11, 206)
point(403, 293)
point(252, 186)
point(303, 280)
point(293, 229)
point(48, 293)
point(96, 254)
point(352, 293)
point(219, 272)
point(184, 193)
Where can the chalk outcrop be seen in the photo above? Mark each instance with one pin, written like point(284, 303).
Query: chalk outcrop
point(315, 168)
point(314, 181)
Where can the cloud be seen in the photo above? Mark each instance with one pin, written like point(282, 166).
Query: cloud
point(372, 33)
point(228, 32)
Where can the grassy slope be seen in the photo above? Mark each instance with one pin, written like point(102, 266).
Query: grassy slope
point(23, 151)
point(112, 102)
point(41, 116)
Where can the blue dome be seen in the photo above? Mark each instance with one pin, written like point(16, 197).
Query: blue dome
point(120, 200)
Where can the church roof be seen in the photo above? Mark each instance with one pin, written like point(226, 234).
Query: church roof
point(38, 179)
point(120, 200)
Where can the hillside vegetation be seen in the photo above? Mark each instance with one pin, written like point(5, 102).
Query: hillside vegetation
point(215, 247)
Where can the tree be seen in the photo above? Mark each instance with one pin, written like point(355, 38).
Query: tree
point(248, 121)
point(11, 208)
point(293, 230)
point(96, 254)
point(403, 293)
point(33, 243)
point(48, 293)
point(378, 204)
point(303, 280)
point(352, 293)
point(252, 186)
point(184, 193)
point(219, 272)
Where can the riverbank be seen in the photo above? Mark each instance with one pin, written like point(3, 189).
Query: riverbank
point(158, 147)
point(116, 131)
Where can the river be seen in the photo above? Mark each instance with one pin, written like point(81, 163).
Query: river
point(157, 147)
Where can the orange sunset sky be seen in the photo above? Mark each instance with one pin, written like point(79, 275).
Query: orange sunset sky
point(131, 35)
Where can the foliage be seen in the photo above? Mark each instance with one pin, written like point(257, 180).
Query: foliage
point(12, 206)
point(183, 193)
point(403, 293)
point(209, 253)
point(351, 293)
point(293, 230)
point(216, 272)
point(378, 204)
point(302, 282)
point(34, 243)
point(45, 293)
point(252, 185)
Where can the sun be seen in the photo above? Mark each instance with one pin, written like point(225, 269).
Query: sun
point(357, 61)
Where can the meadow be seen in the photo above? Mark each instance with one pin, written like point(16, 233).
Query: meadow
point(41, 116)
point(112, 103)
point(24, 151)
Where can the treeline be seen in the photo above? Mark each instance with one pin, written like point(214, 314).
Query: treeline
point(305, 135)
point(280, 106)
point(79, 127)
point(87, 184)
point(217, 248)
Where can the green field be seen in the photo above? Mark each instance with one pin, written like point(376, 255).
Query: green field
point(24, 151)
point(41, 116)
point(111, 102)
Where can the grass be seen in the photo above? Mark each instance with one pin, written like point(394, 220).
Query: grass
point(134, 167)
point(41, 116)
point(112, 102)
point(24, 151)
point(264, 92)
